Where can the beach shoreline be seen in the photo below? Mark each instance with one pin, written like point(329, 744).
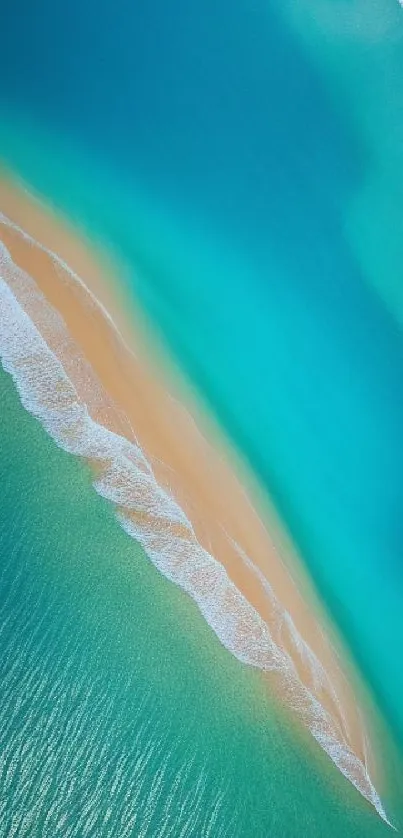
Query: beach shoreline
point(126, 390)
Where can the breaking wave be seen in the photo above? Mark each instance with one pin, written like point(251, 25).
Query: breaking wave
point(39, 353)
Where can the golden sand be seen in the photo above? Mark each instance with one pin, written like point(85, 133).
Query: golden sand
point(145, 398)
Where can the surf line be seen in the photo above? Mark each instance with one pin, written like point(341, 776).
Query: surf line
point(149, 514)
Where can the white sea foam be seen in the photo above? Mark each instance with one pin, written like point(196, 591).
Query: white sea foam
point(149, 514)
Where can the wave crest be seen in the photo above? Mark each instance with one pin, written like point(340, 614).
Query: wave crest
point(29, 328)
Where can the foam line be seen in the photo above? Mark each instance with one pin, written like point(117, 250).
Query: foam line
point(150, 515)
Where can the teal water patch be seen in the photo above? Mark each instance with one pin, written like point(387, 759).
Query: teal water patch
point(150, 516)
point(358, 51)
point(120, 713)
point(244, 201)
point(309, 386)
point(215, 104)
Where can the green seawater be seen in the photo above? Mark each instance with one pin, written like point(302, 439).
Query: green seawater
point(313, 404)
point(120, 713)
point(243, 163)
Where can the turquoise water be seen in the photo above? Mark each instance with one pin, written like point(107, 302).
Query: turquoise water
point(222, 155)
point(120, 712)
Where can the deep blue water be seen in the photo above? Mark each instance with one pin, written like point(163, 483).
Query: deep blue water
point(213, 110)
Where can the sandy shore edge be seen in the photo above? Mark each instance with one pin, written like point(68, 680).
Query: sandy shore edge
point(190, 457)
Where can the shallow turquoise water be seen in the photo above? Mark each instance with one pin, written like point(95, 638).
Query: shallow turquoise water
point(308, 386)
point(120, 713)
point(214, 149)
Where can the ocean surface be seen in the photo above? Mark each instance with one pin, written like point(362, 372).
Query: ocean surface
point(121, 714)
point(235, 158)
